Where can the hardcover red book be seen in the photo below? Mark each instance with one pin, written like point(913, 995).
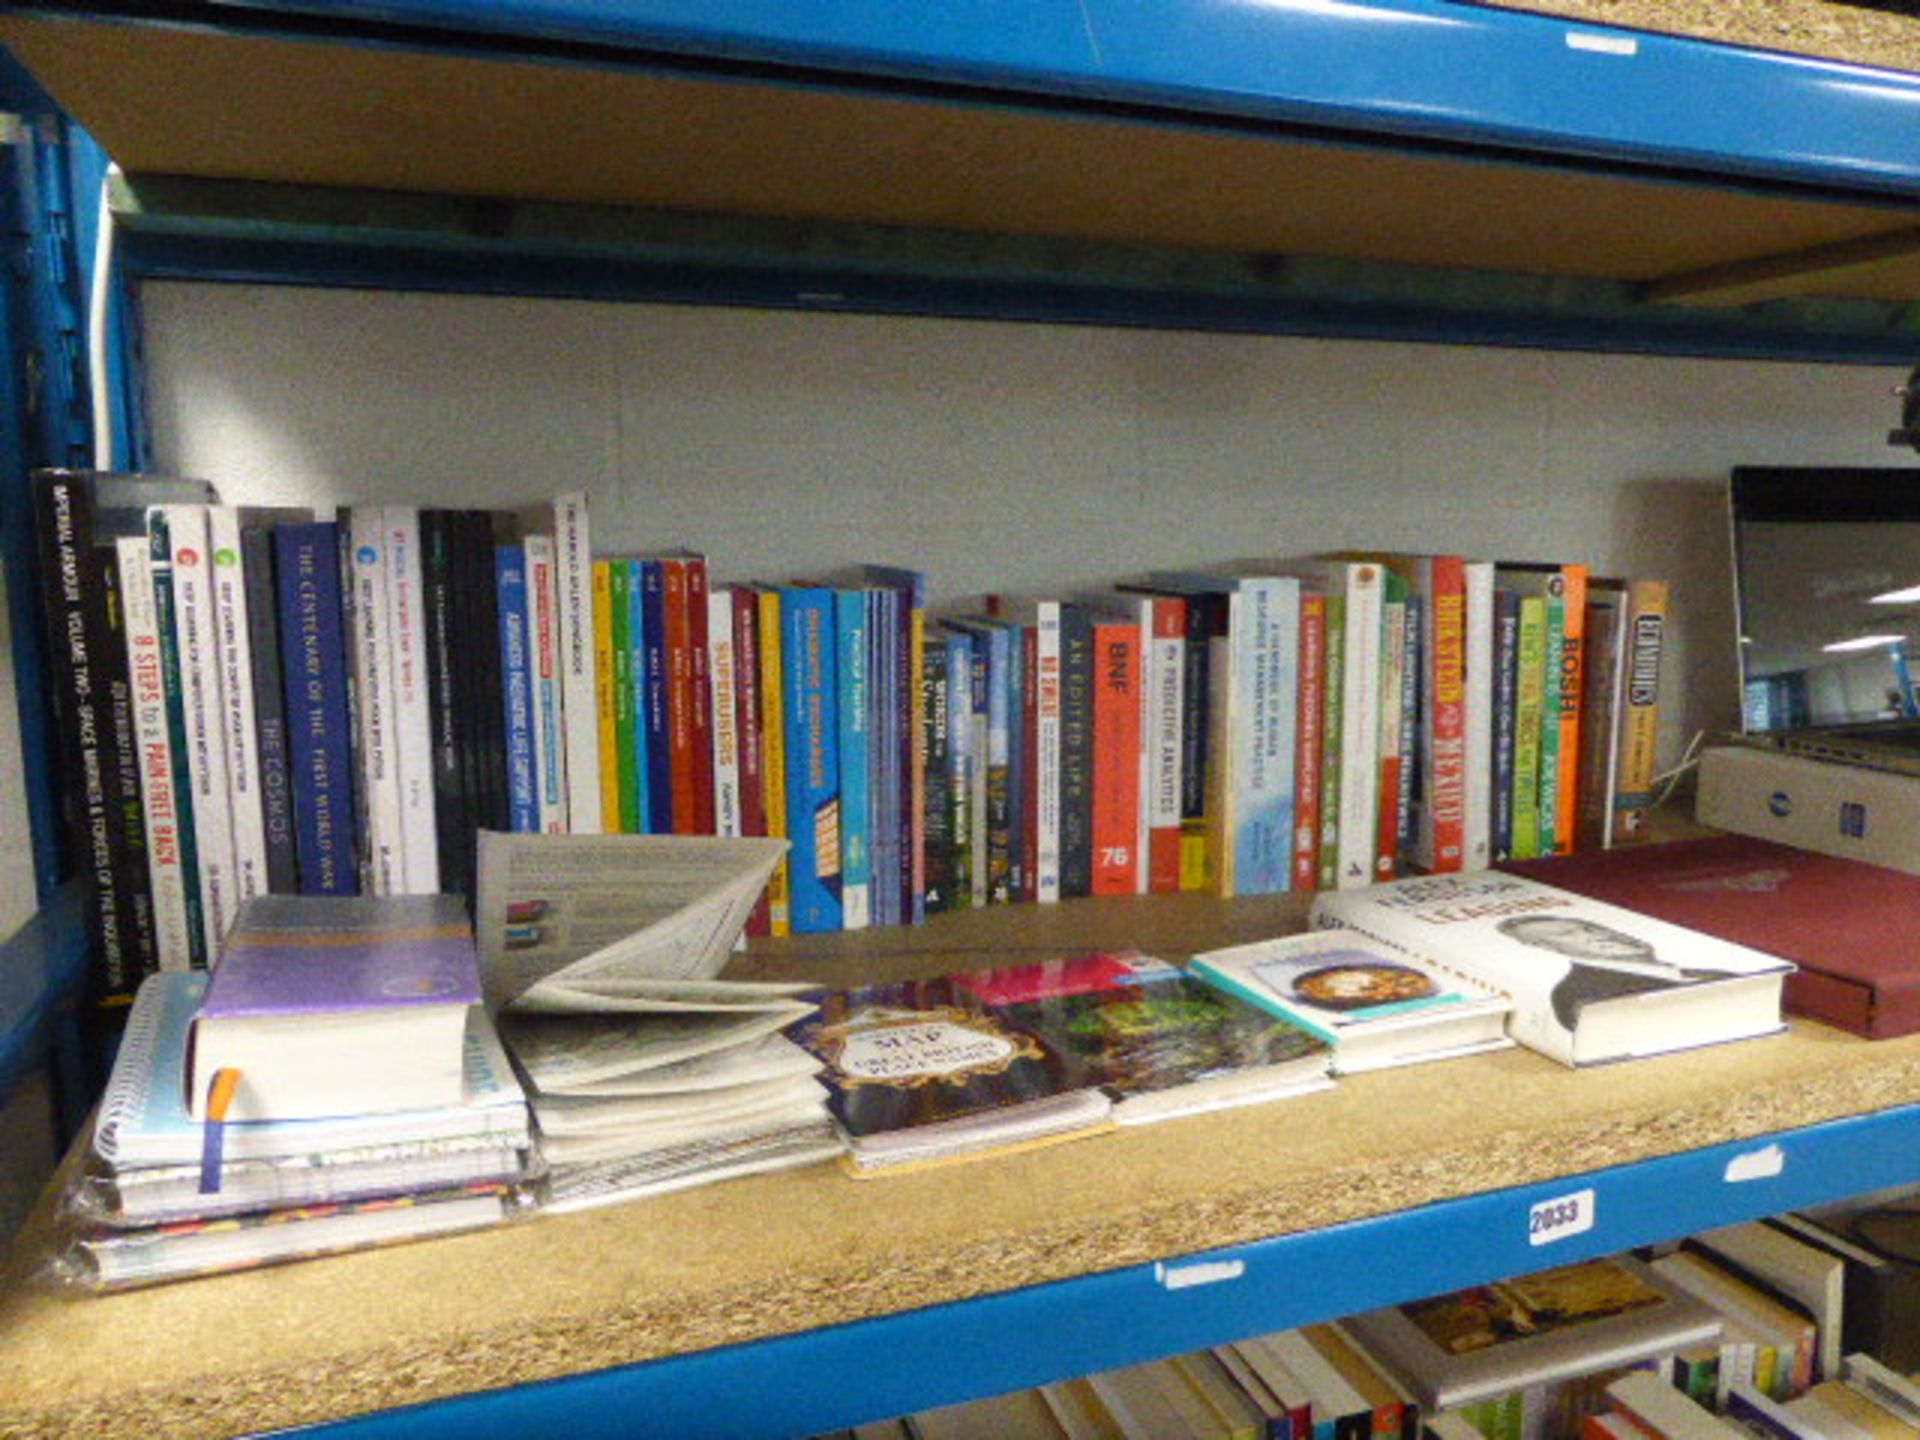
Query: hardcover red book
point(1572, 695)
point(1308, 741)
point(1163, 827)
point(1116, 757)
point(1853, 929)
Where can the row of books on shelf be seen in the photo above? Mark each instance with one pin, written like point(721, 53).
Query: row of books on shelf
point(1736, 1333)
point(256, 701)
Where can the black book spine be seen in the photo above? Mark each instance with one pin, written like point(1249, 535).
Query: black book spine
point(938, 796)
point(1076, 752)
point(356, 764)
point(489, 531)
point(64, 516)
point(270, 710)
point(452, 821)
point(131, 871)
point(1017, 861)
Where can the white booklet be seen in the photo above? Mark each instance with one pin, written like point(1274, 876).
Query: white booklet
point(574, 922)
point(1590, 981)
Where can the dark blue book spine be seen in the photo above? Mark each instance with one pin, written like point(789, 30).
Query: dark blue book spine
point(654, 721)
point(813, 762)
point(314, 661)
point(1076, 752)
point(938, 794)
point(1506, 690)
point(1017, 859)
point(516, 687)
point(635, 595)
point(270, 711)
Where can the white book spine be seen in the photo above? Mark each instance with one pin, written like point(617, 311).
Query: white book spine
point(373, 701)
point(724, 681)
point(1479, 701)
point(573, 561)
point(412, 718)
point(159, 805)
point(234, 645)
point(194, 631)
point(1393, 682)
point(1047, 754)
point(1360, 726)
point(549, 735)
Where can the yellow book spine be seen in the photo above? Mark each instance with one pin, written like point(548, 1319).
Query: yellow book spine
point(774, 738)
point(603, 698)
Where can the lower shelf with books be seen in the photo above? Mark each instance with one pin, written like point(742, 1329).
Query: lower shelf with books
point(790, 1304)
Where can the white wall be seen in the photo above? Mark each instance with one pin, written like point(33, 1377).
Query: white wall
point(1013, 457)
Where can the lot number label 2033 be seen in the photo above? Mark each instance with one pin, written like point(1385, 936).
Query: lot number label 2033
point(1560, 1217)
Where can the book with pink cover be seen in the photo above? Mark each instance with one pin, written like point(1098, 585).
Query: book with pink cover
point(330, 1005)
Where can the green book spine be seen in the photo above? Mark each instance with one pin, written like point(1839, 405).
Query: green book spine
point(1550, 707)
point(620, 587)
point(1330, 743)
point(1529, 703)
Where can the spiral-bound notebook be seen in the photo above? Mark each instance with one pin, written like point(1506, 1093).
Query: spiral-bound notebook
point(144, 1120)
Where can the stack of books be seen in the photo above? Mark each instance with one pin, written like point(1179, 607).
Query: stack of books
point(264, 701)
point(373, 1100)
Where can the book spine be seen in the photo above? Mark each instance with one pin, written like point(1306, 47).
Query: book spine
point(1394, 685)
point(517, 698)
point(1116, 758)
point(1267, 654)
point(1360, 724)
point(412, 719)
point(813, 761)
point(452, 823)
point(750, 731)
point(1529, 716)
point(199, 665)
point(938, 797)
point(160, 567)
point(963, 730)
point(1218, 854)
point(646, 703)
point(233, 651)
point(1333, 729)
point(700, 693)
point(543, 662)
point(314, 660)
point(853, 709)
point(373, 701)
point(1552, 728)
point(175, 932)
point(995, 794)
point(723, 703)
point(1503, 703)
point(1309, 741)
point(1076, 752)
point(1165, 710)
point(774, 728)
point(979, 757)
point(1569, 678)
point(1410, 753)
point(1478, 696)
point(579, 662)
point(916, 868)
point(1442, 842)
point(1206, 618)
point(1047, 748)
point(489, 699)
point(884, 850)
point(622, 699)
point(127, 836)
point(1639, 723)
point(656, 709)
point(269, 711)
point(1600, 698)
point(606, 710)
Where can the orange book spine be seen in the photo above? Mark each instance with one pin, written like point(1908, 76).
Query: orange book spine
point(678, 626)
point(1116, 758)
point(1572, 681)
point(773, 731)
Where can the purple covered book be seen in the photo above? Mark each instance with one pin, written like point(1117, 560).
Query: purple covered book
point(337, 1005)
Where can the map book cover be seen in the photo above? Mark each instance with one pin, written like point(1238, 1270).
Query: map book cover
point(1590, 982)
point(1483, 1341)
point(1159, 1041)
point(1852, 929)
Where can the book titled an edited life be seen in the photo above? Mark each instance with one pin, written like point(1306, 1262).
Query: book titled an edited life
point(1473, 1344)
point(1590, 982)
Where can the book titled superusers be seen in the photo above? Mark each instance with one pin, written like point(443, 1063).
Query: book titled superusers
point(1590, 981)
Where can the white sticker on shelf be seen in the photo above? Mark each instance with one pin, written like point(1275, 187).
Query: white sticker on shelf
point(1198, 1272)
point(1761, 1164)
point(1560, 1217)
point(1602, 44)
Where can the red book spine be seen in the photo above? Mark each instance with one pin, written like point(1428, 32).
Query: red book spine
point(1308, 741)
point(751, 728)
point(1030, 754)
point(1116, 758)
point(701, 694)
point(679, 633)
point(1448, 677)
point(1166, 712)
